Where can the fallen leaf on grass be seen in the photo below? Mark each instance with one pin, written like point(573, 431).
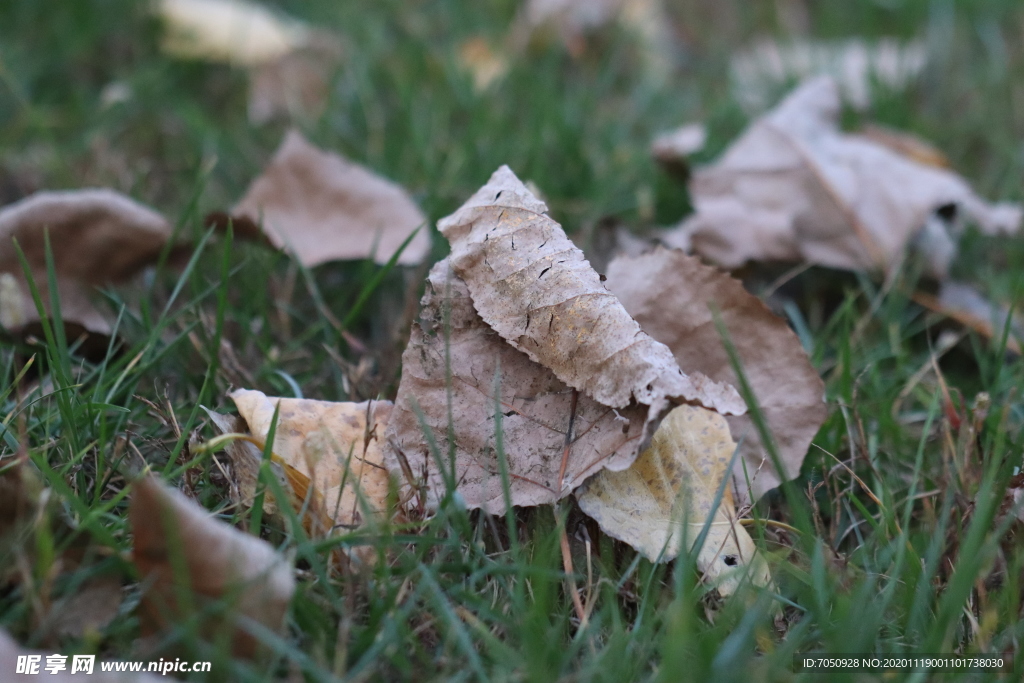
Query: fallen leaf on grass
point(10, 654)
point(759, 71)
point(245, 453)
point(662, 502)
point(233, 31)
point(794, 187)
point(482, 62)
point(97, 237)
point(671, 295)
point(906, 144)
point(534, 287)
point(336, 444)
point(297, 85)
point(290, 63)
point(580, 385)
point(323, 208)
point(574, 22)
point(220, 563)
point(673, 149)
point(452, 347)
point(89, 609)
point(969, 307)
point(245, 459)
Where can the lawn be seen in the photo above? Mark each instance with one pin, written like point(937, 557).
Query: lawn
point(896, 538)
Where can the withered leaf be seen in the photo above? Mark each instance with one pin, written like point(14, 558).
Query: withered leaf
point(969, 307)
point(323, 208)
point(336, 444)
point(221, 564)
point(672, 150)
point(10, 651)
point(97, 237)
point(245, 452)
point(297, 85)
point(451, 346)
point(663, 500)
point(574, 22)
point(246, 460)
point(534, 287)
point(794, 187)
point(485, 64)
point(232, 31)
point(671, 295)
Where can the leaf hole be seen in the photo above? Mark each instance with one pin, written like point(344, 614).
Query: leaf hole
point(731, 560)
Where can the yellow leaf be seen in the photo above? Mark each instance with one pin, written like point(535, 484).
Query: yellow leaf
point(336, 445)
point(665, 498)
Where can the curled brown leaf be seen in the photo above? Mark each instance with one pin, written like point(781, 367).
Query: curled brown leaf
point(458, 374)
point(674, 298)
point(794, 187)
point(217, 563)
point(534, 287)
point(97, 237)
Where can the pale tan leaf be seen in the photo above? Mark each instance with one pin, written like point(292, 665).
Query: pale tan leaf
point(534, 287)
point(452, 347)
point(233, 31)
point(969, 307)
point(323, 208)
point(245, 459)
point(574, 21)
point(671, 295)
point(10, 651)
point(676, 145)
point(662, 502)
point(97, 237)
point(906, 144)
point(221, 564)
point(89, 609)
point(486, 65)
point(336, 444)
point(794, 187)
point(296, 86)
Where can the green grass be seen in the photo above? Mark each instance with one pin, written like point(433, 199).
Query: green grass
point(927, 562)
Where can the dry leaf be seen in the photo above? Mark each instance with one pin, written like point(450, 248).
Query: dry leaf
point(97, 237)
point(665, 498)
point(969, 307)
point(245, 459)
point(10, 652)
point(574, 21)
point(92, 606)
point(534, 287)
point(232, 31)
point(758, 72)
point(297, 85)
point(671, 294)
point(677, 145)
point(452, 347)
point(323, 208)
point(336, 444)
point(571, 20)
point(484, 64)
point(245, 453)
point(793, 187)
point(906, 144)
point(221, 563)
